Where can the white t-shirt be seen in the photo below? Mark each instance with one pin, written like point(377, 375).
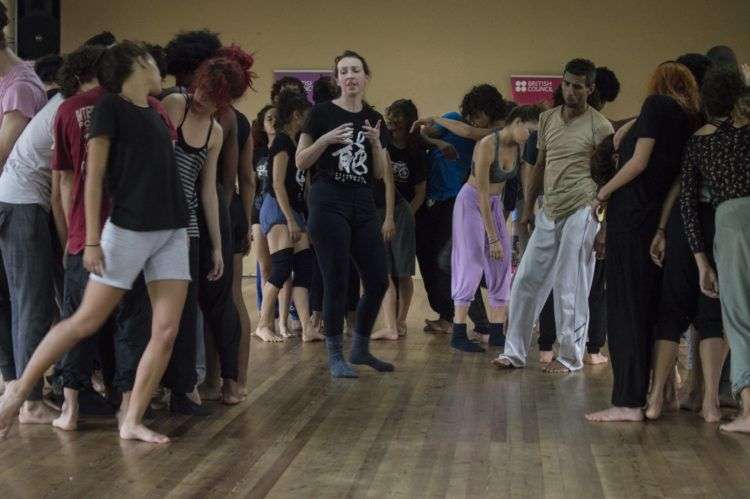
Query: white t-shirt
point(27, 177)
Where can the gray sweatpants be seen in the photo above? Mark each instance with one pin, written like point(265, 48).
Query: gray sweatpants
point(560, 256)
point(732, 254)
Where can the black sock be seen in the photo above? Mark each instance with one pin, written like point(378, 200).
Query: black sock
point(460, 341)
point(497, 338)
point(361, 354)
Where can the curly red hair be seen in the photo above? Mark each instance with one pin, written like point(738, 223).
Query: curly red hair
point(676, 81)
point(221, 80)
point(244, 59)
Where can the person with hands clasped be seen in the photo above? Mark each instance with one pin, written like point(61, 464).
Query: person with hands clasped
point(344, 144)
point(282, 220)
point(130, 144)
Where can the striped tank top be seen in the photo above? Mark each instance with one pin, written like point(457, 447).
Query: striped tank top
point(190, 161)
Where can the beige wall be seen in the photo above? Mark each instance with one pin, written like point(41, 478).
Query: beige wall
point(433, 51)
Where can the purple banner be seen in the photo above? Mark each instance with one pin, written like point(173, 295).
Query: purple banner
point(307, 76)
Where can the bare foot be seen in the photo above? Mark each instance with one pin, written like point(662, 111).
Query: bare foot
point(655, 405)
point(555, 367)
point(266, 334)
point(10, 404)
point(384, 334)
point(546, 356)
point(230, 393)
point(68, 419)
point(285, 333)
point(671, 399)
point(741, 424)
point(437, 326)
point(97, 381)
point(36, 412)
point(616, 414)
point(402, 329)
point(595, 358)
point(140, 432)
point(502, 363)
point(195, 396)
point(210, 392)
point(483, 338)
point(311, 334)
point(711, 413)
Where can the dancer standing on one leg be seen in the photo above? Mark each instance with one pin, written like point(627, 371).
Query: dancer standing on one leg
point(480, 241)
point(147, 231)
point(650, 155)
point(282, 219)
point(560, 251)
point(344, 142)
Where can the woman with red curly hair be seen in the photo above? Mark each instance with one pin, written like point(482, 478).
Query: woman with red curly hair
point(650, 154)
point(199, 141)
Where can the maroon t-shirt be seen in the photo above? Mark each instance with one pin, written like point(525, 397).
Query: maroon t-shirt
point(69, 153)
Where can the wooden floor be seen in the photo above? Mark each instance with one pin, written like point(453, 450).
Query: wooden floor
point(443, 425)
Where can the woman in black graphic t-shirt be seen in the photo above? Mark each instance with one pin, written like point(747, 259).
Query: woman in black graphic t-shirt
point(344, 144)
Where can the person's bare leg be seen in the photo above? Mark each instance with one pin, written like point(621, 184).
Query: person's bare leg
point(389, 308)
point(713, 352)
point(301, 298)
point(277, 239)
point(68, 419)
point(167, 300)
point(691, 397)
point(665, 356)
point(230, 392)
point(405, 295)
point(98, 302)
point(351, 319)
point(239, 301)
point(285, 297)
point(741, 423)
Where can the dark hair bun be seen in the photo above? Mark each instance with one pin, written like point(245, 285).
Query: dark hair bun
point(3, 16)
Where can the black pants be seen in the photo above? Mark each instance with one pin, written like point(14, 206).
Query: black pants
point(633, 288)
point(215, 297)
point(682, 303)
point(434, 230)
point(597, 315)
point(433, 227)
point(316, 287)
point(343, 223)
point(117, 346)
point(181, 376)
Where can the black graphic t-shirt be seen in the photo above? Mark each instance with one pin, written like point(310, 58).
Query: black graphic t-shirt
point(409, 169)
point(260, 161)
point(341, 163)
point(294, 182)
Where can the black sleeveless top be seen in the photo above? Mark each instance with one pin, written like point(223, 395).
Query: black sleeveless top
point(497, 173)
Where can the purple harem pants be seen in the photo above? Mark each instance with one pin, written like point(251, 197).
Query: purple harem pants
point(470, 258)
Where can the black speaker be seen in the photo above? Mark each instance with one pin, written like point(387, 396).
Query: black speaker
point(37, 28)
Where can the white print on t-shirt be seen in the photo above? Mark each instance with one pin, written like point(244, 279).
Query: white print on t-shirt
point(353, 161)
point(83, 118)
point(300, 178)
point(400, 171)
point(262, 168)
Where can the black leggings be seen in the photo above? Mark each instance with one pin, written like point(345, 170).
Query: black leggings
point(215, 297)
point(343, 223)
point(597, 335)
point(682, 303)
point(316, 287)
point(181, 376)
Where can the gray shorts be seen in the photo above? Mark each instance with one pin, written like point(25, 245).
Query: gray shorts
point(160, 254)
point(401, 250)
point(271, 215)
